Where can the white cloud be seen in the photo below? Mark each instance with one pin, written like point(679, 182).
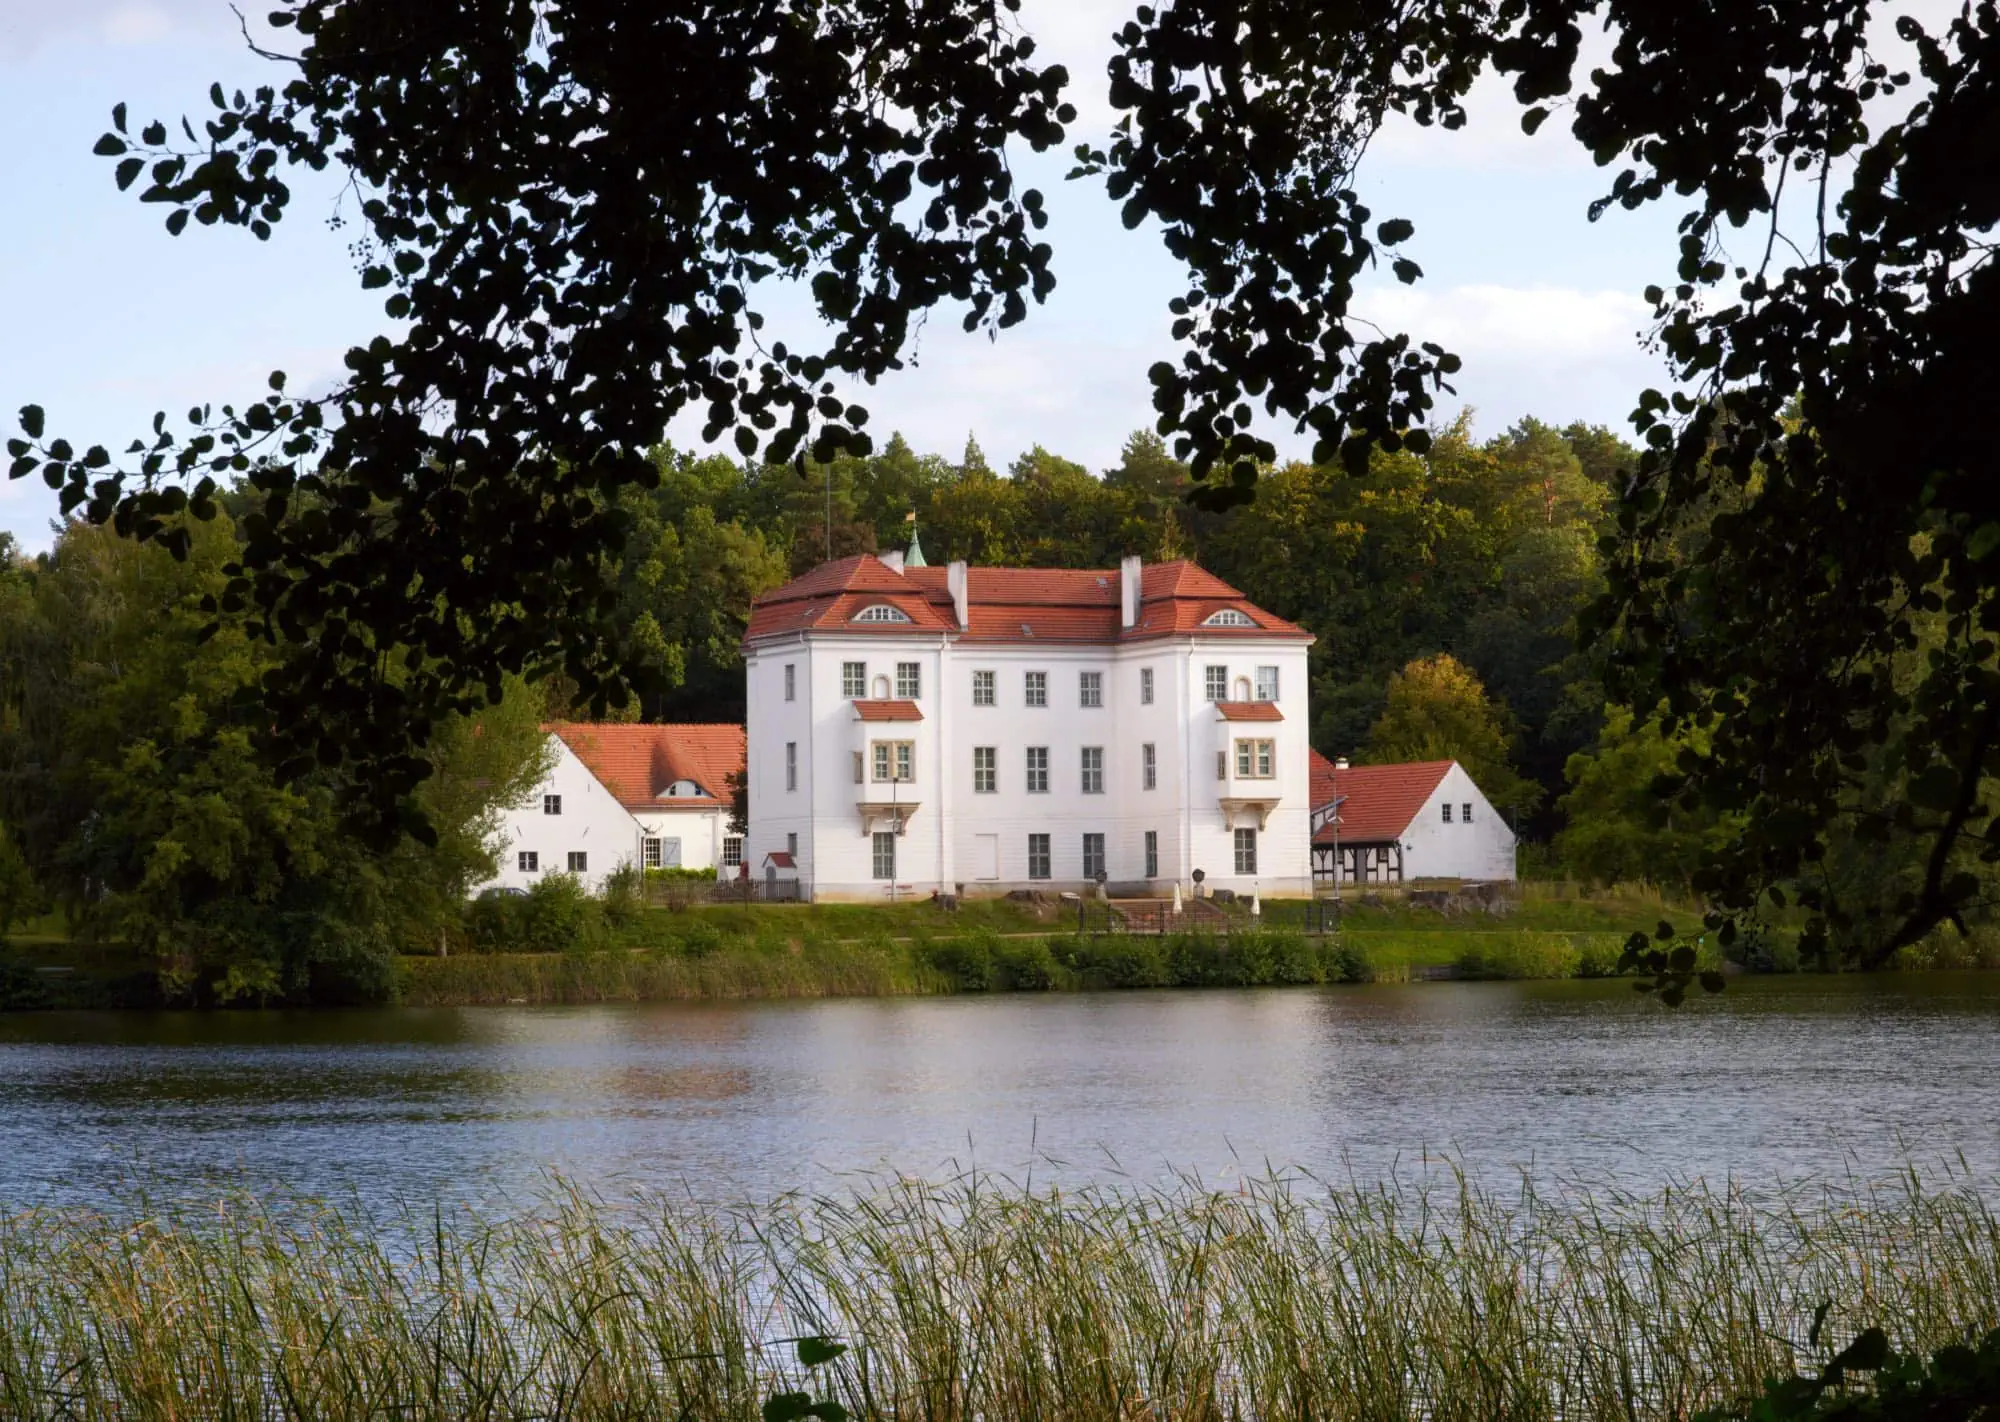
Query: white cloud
point(136, 24)
point(27, 25)
point(1551, 323)
point(1557, 352)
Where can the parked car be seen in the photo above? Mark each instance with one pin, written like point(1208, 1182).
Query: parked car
point(503, 891)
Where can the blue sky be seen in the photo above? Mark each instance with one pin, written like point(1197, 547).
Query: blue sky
point(104, 318)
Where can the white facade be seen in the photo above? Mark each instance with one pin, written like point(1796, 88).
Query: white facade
point(688, 838)
point(574, 822)
point(1473, 844)
point(1015, 794)
point(568, 813)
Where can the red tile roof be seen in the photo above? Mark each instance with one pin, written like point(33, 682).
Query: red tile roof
point(636, 762)
point(780, 859)
point(1018, 605)
point(1249, 710)
point(1381, 800)
point(887, 711)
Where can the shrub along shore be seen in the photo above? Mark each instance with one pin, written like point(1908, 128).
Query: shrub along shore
point(560, 946)
point(973, 1299)
point(780, 965)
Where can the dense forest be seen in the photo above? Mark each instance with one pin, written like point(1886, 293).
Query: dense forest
point(1444, 590)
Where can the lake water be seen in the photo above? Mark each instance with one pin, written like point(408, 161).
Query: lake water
point(1777, 1078)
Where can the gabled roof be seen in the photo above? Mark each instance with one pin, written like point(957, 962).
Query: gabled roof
point(636, 762)
point(1249, 710)
point(887, 711)
point(1017, 605)
point(1379, 801)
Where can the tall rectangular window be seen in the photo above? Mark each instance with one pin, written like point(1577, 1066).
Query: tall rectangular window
point(1152, 854)
point(792, 844)
point(1038, 770)
point(858, 776)
point(909, 680)
point(1093, 855)
point(1215, 683)
point(791, 765)
point(732, 851)
point(1255, 759)
point(1466, 812)
point(1222, 765)
point(853, 680)
point(1035, 688)
point(579, 861)
point(649, 853)
point(982, 688)
point(1093, 770)
point(1145, 686)
point(791, 682)
point(528, 861)
point(1246, 851)
point(895, 760)
point(552, 804)
point(1149, 766)
point(985, 769)
point(1038, 856)
point(1090, 688)
point(1267, 683)
point(1446, 807)
point(885, 854)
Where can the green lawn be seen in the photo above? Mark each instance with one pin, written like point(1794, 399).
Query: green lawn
point(918, 918)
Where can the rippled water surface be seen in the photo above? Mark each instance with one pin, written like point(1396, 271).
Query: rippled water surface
point(1776, 1078)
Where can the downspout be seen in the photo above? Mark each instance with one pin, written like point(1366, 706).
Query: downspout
point(944, 761)
point(812, 774)
point(1187, 776)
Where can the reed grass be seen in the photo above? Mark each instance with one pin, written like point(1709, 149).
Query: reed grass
point(736, 968)
point(971, 1298)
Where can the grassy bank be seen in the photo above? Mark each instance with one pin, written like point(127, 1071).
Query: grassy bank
point(712, 963)
point(969, 1299)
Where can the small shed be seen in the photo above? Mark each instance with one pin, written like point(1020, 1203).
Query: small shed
point(781, 876)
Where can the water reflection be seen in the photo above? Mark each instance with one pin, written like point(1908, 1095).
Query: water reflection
point(1778, 1078)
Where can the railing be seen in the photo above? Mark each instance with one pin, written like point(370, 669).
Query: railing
point(1157, 916)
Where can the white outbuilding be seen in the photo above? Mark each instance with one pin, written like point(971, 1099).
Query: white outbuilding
point(1389, 824)
point(626, 793)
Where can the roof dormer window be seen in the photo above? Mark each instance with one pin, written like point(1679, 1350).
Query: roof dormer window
point(1229, 617)
point(881, 612)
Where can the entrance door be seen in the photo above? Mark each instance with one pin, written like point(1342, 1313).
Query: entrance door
point(986, 855)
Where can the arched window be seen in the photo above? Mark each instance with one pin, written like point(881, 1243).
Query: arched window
point(881, 612)
point(1242, 688)
point(1229, 617)
point(881, 688)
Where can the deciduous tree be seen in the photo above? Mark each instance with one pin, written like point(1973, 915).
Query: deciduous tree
point(1437, 710)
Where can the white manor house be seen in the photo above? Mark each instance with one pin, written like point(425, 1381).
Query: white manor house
point(915, 729)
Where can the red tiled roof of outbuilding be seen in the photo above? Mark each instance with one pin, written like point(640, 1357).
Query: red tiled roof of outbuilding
point(637, 761)
point(1381, 800)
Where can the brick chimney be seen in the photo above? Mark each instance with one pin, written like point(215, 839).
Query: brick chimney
point(1130, 576)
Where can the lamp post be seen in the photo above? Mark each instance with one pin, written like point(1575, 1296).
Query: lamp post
point(1336, 869)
